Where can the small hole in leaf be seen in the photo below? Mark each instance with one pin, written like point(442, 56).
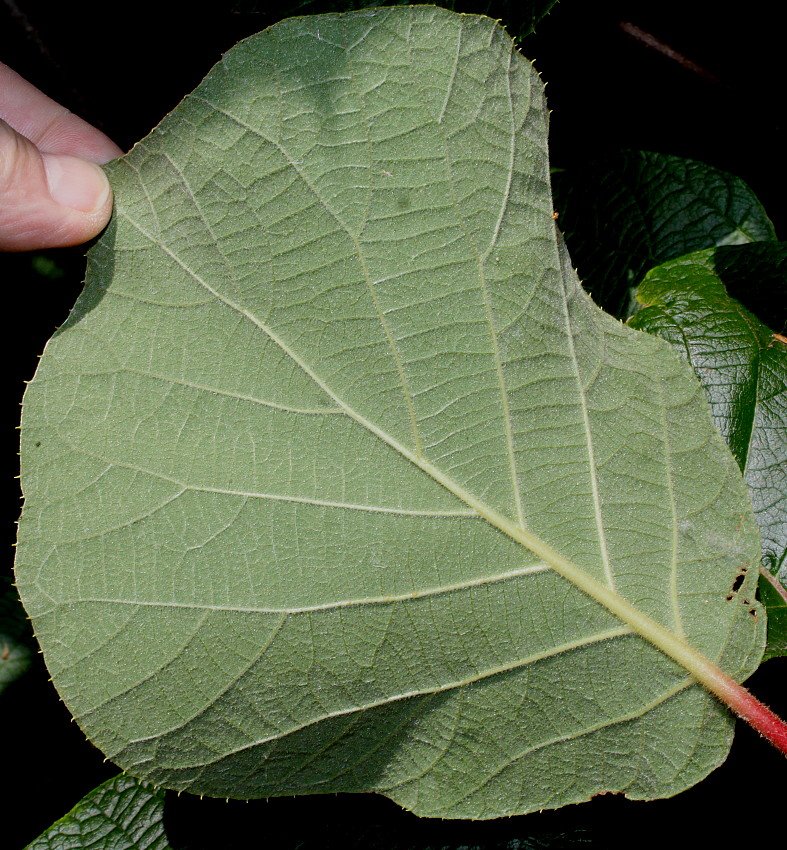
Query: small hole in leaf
point(729, 597)
point(736, 585)
point(753, 612)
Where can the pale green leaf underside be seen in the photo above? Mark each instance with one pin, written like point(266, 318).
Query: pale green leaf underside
point(331, 360)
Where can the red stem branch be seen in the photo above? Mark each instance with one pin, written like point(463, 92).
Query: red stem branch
point(750, 709)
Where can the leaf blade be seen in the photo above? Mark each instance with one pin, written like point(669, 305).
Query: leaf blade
point(380, 267)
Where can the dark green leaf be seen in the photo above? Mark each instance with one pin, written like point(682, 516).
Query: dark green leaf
point(630, 211)
point(16, 636)
point(773, 595)
point(742, 366)
point(121, 814)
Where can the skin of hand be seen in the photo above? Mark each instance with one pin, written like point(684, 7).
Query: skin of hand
point(52, 191)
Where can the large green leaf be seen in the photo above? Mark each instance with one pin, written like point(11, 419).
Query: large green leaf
point(337, 480)
point(629, 211)
point(121, 814)
point(742, 366)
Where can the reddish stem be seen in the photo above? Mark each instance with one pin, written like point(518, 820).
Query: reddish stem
point(750, 709)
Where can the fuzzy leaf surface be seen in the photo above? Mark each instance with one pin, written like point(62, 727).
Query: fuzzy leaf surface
point(121, 814)
point(331, 385)
point(626, 213)
point(742, 366)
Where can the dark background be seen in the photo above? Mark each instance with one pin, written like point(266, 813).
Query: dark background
point(123, 67)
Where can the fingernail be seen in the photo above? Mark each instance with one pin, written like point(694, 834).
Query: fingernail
point(76, 183)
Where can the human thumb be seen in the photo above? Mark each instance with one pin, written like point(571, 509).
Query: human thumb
point(48, 200)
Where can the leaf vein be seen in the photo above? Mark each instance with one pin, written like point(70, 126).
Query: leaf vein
point(483, 581)
point(592, 466)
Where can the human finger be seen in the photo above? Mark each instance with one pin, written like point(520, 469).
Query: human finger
point(50, 126)
point(48, 200)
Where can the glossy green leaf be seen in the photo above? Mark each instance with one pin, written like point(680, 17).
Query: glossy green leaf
point(632, 210)
point(16, 636)
point(772, 590)
point(743, 369)
point(121, 814)
point(318, 465)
